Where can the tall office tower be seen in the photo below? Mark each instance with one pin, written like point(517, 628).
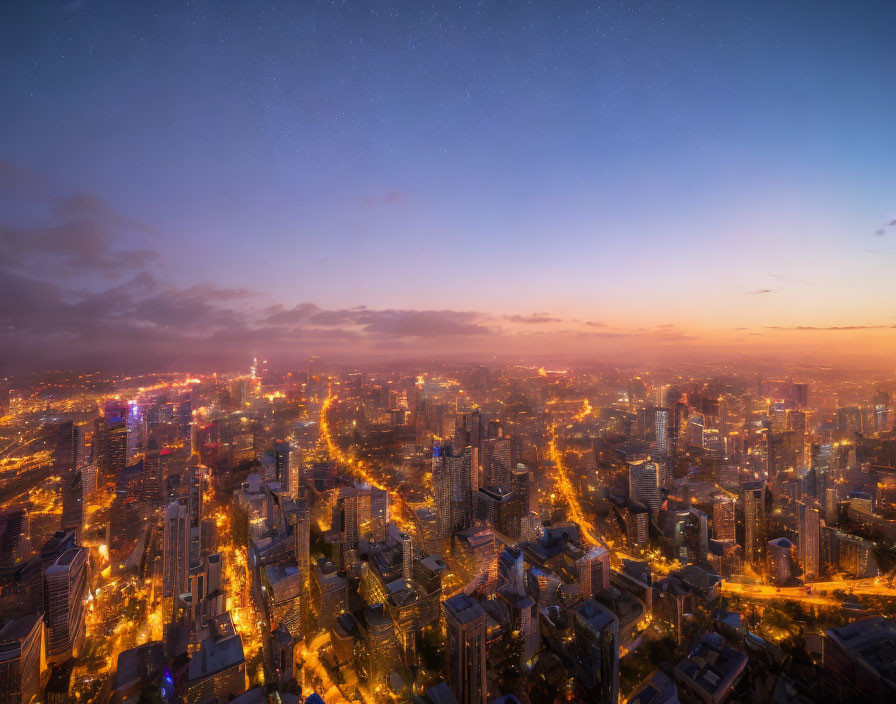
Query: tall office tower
point(831, 505)
point(796, 420)
point(753, 499)
point(593, 571)
point(353, 515)
point(193, 479)
point(809, 541)
point(73, 502)
point(511, 570)
point(281, 466)
point(153, 476)
point(407, 556)
point(67, 456)
point(136, 423)
point(441, 488)
point(691, 539)
point(596, 652)
point(302, 532)
point(661, 431)
point(520, 487)
point(379, 513)
point(451, 475)
point(88, 481)
point(185, 409)
point(780, 554)
point(176, 555)
point(644, 485)
point(723, 521)
point(465, 649)
point(110, 446)
point(499, 509)
point(66, 581)
point(496, 462)
point(327, 592)
point(15, 536)
point(784, 451)
point(22, 659)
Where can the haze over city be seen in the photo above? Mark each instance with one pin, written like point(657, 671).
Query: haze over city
point(185, 183)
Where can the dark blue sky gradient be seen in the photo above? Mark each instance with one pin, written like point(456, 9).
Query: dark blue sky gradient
point(629, 161)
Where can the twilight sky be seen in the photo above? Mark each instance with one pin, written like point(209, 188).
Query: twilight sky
point(186, 181)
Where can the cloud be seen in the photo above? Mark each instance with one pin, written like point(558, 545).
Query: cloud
point(422, 323)
point(880, 232)
point(533, 319)
point(595, 324)
point(759, 291)
point(834, 328)
point(892, 223)
point(72, 236)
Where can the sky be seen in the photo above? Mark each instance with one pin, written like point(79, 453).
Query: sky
point(196, 182)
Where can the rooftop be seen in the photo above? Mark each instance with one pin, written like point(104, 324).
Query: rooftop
point(463, 608)
point(712, 667)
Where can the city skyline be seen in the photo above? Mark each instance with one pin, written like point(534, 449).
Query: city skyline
point(192, 184)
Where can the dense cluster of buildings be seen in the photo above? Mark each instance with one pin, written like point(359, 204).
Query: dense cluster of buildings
point(450, 536)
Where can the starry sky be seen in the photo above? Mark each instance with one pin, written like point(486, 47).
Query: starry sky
point(194, 182)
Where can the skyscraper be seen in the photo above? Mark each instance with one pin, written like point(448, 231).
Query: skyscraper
point(593, 570)
point(67, 455)
point(110, 446)
point(465, 649)
point(72, 502)
point(723, 525)
point(176, 557)
point(451, 479)
point(644, 485)
point(809, 540)
point(353, 510)
point(22, 659)
point(66, 581)
point(596, 633)
point(753, 497)
point(282, 472)
point(661, 430)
